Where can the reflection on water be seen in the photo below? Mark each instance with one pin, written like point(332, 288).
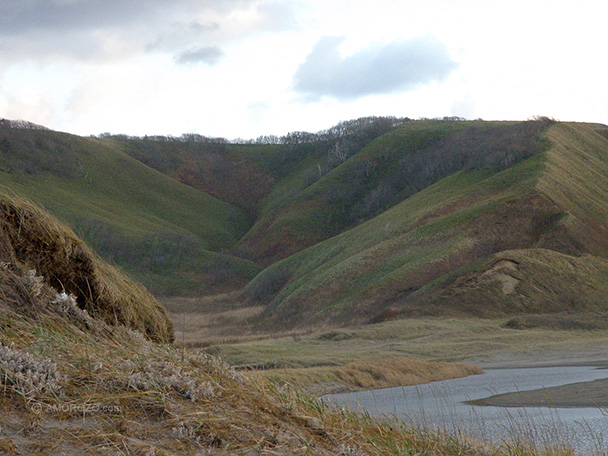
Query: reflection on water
point(442, 405)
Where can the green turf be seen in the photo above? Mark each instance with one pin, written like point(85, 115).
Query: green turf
point(157, 228)
point(424, 254)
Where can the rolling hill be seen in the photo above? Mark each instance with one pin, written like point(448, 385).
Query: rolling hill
point(528, 236)
point(372, 219)
point(164, 233)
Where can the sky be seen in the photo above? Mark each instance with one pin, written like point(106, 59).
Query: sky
point(245, 68)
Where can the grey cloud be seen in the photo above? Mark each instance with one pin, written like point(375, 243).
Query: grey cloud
point(179, 33)
point(400, 65)
point(20, 17)
point(205, 54)
point(81, 28)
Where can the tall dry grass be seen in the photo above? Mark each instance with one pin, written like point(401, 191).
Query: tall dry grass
point(371, 373)
point(33, 239)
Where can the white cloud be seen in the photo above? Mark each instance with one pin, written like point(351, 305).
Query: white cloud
point(379, 69)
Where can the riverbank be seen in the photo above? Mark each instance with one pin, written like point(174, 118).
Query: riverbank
point(355, 358)
point(574, 395)
point(585, 394)
point(593, 352)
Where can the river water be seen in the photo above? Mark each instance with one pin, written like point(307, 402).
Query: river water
point(441, 405)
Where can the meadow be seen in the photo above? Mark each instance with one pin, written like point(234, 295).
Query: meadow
point(392, 353)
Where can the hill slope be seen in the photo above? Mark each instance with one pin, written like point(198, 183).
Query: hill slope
point(430, 253)
point(372, 219)
point(44, 262)
point(163, 232)
point(272, 182)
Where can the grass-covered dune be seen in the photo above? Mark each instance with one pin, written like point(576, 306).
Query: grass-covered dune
point(166, 234)
point(43, 260)
point(517, 224)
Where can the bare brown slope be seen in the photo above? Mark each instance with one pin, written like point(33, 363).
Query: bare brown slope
point(225, 171)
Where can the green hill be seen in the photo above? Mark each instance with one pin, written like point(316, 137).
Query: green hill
point(372, 219)
point(275, 183)
point(164, 233)
point(491, 238)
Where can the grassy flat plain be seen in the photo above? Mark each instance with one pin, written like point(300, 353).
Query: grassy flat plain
point(390, 353)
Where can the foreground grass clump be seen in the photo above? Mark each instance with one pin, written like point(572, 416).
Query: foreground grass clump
point(35, 241)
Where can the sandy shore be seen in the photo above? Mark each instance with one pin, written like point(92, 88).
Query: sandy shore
point(584, 394)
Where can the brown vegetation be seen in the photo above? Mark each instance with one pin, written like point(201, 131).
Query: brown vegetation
point(32, 239)
point(371, 374)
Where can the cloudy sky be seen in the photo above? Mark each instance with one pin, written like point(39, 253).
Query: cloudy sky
point(243, 68)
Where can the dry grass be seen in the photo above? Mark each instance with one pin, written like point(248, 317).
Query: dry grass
point(532, 281)
point(576, 178)
point(370, 374)
point(220, 319)
point(33, 239)
point(337, 359)
point(124, 395)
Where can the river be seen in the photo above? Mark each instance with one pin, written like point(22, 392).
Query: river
point(443, 405)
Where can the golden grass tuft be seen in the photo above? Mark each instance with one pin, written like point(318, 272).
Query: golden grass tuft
point(34, 239)
point(387, 372)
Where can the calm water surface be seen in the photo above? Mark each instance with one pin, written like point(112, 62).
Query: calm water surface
point(442, 405)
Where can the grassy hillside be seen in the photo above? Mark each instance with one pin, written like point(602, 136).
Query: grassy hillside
point(230, 173)
point(370, 220)
point(431, 252)
point(270, 182)
point(309, 187)
point(163, 232)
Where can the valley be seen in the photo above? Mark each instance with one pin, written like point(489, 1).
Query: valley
point(380, 252)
